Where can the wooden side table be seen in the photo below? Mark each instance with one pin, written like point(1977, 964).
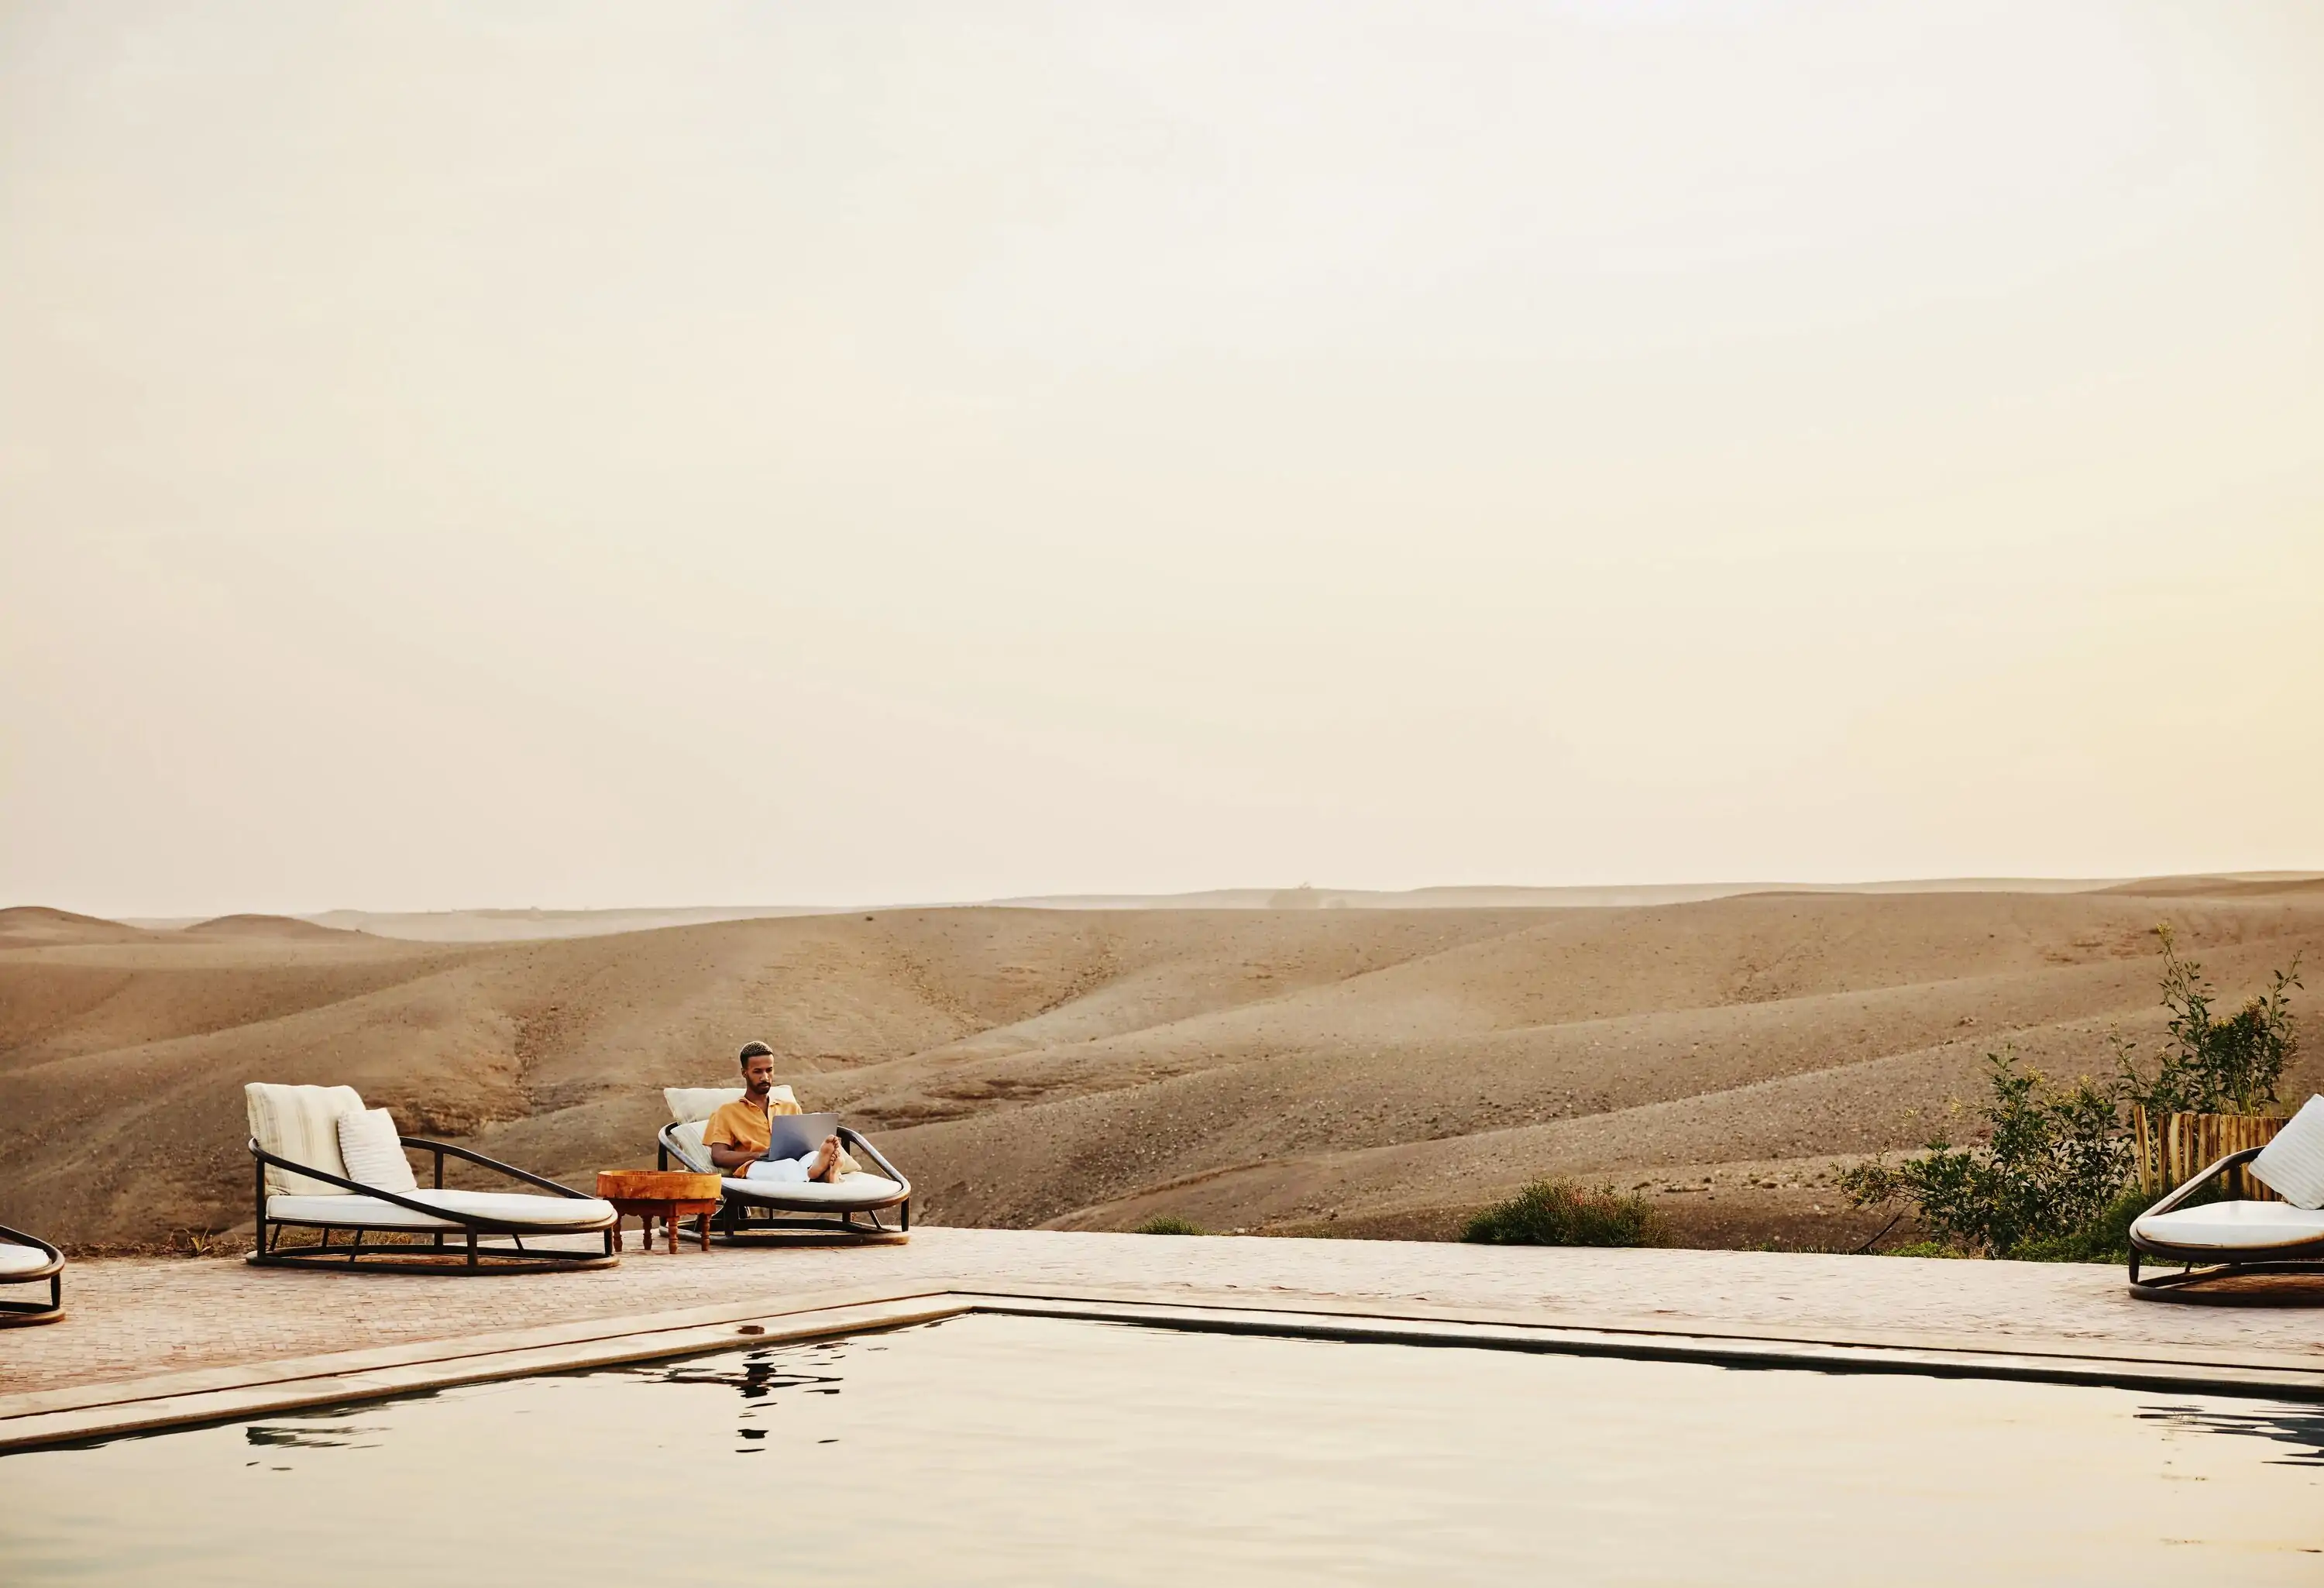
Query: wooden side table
point(647, 1195)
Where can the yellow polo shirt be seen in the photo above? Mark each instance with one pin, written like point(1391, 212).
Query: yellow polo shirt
point(740, 1123)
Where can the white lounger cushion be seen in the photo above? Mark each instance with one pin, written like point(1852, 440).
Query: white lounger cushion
point(2233, 1226)
point(301, 1124)
point(692, 1104)
point(2292, 1165)
point(20, 1260)
point(857, 1190)
point(508, 1207)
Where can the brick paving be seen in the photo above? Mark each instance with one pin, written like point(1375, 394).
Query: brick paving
point(133, 1318)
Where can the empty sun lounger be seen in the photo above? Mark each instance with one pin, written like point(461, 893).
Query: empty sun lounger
point(2219, 1239)
point(755, 1208)
point(27, 1260)
point(322, 1161)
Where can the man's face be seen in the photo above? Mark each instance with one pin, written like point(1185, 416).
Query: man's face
point(758, 1073)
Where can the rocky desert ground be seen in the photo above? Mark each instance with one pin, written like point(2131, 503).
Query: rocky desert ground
point(1373, 1070)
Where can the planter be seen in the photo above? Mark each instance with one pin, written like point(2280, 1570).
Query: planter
point(2173, 1149)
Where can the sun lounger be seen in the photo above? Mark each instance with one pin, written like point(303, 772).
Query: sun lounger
point(321, 1161)
point(27, 1260)
point(2221, 1240)
point(756, 1208)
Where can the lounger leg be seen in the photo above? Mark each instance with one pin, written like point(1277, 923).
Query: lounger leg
point(472, 1249)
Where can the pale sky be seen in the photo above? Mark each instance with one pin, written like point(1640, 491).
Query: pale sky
point(480, 453)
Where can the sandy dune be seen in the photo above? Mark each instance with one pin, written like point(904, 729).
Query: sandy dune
point(1365, 1070)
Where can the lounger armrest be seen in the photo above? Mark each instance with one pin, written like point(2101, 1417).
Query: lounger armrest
point(854, 1143)
point(441, 1148)
point(262, 1156)
point(2188, 1187)
point(18, 1238)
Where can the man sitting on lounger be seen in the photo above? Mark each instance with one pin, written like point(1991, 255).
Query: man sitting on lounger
point(738, 1133)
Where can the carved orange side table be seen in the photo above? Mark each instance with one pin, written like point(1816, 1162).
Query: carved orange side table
point(648, 1195)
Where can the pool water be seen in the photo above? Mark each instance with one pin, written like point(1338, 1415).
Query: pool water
point(991, 1449)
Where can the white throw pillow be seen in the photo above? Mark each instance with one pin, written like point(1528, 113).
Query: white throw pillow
point(373, 1151)
point(2292, 1165)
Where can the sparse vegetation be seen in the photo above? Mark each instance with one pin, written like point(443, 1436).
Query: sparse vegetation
point(1558, 1213)
point(1169, 1224)
point(2054, 1158)
point(2212, 1065)
point(2048, 1182)
point(2104, 1238)
point(1924, 1249)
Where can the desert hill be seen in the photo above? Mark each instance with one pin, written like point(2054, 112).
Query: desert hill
point(263, 926)
point(1362, 1070)
point(35, 925)
point(2273, 885)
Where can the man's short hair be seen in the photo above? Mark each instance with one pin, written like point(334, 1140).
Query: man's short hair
point(751, 1051)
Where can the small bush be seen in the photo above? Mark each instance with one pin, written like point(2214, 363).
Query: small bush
point(1924, 1249)
point(2054, 1161)
point(1558, 1213)
point(2106, 1238)
point(2213, 1066)
point(1169, 1224)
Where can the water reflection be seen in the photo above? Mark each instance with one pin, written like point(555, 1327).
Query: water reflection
point(329, 1428)
point(760, 1373)
point(760, 1376)
point(2287, 1425)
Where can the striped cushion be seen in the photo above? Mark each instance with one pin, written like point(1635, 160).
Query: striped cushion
point(301, 1124)
point(687, 1139)
point(2292, 1165)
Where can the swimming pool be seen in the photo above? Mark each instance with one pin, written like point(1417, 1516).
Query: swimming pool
point(994, 1449)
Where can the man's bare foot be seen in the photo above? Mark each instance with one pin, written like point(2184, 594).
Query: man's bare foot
point(827, 1160)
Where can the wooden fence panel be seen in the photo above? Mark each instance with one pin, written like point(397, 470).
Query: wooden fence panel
point(2177, 1147)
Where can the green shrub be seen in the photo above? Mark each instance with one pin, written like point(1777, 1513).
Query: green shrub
point(1169, 1224)
point(2213, 1066)
point(2054, 1159)
point(1924, 1249)
point(2106, 1238)
point(1558, 1213)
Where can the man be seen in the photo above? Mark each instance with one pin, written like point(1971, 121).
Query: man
point(738, 1133)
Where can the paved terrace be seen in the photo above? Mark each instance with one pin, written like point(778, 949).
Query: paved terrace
point(137, 1319)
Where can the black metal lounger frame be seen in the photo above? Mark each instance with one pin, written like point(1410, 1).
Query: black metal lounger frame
point(762, 1215)
point(2212, 1262)
point(53, 1271)
point(411, 1256)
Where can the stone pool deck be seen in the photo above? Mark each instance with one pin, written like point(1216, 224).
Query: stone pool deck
point(157, 1330)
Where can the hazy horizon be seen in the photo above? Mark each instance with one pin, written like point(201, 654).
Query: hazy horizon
point(588, 455)
point(1480, 895)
